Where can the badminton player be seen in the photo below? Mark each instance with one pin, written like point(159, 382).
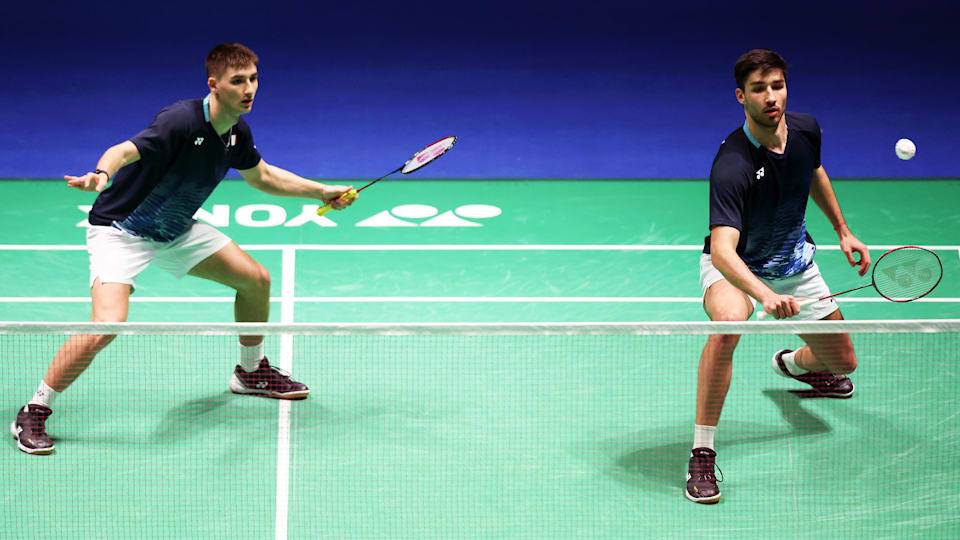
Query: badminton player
point(161, 177)
point(759, 255)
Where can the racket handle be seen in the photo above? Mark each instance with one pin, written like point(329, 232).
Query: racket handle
point(352, 194)
point(763, 315)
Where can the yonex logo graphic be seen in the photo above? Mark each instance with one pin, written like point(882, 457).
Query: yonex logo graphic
point(271, 215)
point(760, 173)
point(19, 430)
point(422, 215)
point(262, 384)
point(198, 142)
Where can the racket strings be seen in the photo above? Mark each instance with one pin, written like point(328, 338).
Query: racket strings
point(907, 274)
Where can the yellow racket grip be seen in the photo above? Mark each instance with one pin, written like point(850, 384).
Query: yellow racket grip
point(352, 194)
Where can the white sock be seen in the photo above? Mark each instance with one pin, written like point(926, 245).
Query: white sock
point(250, 356)
point(703, 436)
point(792, 367)
point(45, 395)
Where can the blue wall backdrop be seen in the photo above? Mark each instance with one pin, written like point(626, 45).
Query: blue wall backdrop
point(533, 89)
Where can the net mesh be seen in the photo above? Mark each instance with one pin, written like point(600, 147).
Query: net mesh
point(478, 431)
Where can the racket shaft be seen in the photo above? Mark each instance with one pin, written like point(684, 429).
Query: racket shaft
point(352, 194)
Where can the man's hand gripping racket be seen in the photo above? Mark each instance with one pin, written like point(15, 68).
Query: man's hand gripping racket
point(903, 274)
point(420, 159)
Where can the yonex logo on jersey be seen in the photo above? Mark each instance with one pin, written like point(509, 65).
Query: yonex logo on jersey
point(760, 173)
point(262, 384)
point(198, 142)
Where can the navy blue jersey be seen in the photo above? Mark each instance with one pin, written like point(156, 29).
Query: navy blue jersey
point(182, 159)
point(764, 195)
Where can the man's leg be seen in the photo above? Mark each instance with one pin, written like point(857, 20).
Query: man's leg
point(722, 302)
point(827, 352)
point(235, 268)
point(111, 303)
point(822, 363)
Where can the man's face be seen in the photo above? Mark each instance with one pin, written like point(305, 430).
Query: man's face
point(235, 88)
point(764, 97)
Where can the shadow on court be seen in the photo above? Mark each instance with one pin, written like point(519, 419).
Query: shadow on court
point(661, 467)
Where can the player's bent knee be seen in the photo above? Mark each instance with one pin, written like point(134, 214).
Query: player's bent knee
point(723, 341)
point(847, 363)
point(256, 280)
point(729, 316)
point(262, 278)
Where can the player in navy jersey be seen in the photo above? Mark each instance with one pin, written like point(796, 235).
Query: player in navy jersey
point(759, 255)
point(162, 177)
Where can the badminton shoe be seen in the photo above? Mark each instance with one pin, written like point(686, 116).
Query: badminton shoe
point(825, 383)
point(701, 480)
point(29, 429)
point(267, 381)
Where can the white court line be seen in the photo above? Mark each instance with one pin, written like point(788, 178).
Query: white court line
point(287, 289)
point(459, 247)
point(424, 299)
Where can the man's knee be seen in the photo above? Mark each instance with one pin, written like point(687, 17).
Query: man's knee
point(723, 344)
point(839, 358)
point(256, 279)
point(845, 362)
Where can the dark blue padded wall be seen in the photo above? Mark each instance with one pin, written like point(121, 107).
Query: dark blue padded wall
point(533, 89)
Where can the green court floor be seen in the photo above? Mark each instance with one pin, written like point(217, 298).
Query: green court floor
point(477, 436)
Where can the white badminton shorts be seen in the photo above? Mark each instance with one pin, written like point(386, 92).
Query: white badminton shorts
point(806, 284)
point(117, 256)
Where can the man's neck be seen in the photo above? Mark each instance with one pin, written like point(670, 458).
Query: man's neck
point(771, 138)
point(220, 118)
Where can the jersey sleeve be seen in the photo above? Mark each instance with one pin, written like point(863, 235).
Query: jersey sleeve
point(728, 188)
point(163, 138)
point(809, 129)
point(817, 137)
point(247, 156)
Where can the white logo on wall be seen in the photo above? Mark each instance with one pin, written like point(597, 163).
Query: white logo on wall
point(406, 215)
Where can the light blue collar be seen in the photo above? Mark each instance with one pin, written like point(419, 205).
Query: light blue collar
point(750, 137)
point(206, 110)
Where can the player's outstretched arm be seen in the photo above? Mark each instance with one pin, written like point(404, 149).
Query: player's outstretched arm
point(821, 191)
point(277, 181)
point(115, 158)
point(723, 254)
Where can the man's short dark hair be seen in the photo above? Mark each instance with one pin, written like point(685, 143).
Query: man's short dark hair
point(761, 59)
point(229, 55)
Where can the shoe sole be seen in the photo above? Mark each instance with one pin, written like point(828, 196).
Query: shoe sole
point(273, 395)
point(27, 449)
point(818, 394)
point(705, 500)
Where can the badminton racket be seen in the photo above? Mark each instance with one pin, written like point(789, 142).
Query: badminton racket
point(903, 274)
point(420, 159)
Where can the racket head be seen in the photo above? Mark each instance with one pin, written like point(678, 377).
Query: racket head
point(428, 154)
point(907, 273)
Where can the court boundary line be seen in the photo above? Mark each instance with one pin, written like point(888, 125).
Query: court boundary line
point(287, 291)
point(428, 299)
point(463, 247)
point(487, 328)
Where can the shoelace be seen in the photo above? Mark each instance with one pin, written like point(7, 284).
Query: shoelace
point(276, 373)
point(707, 474)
